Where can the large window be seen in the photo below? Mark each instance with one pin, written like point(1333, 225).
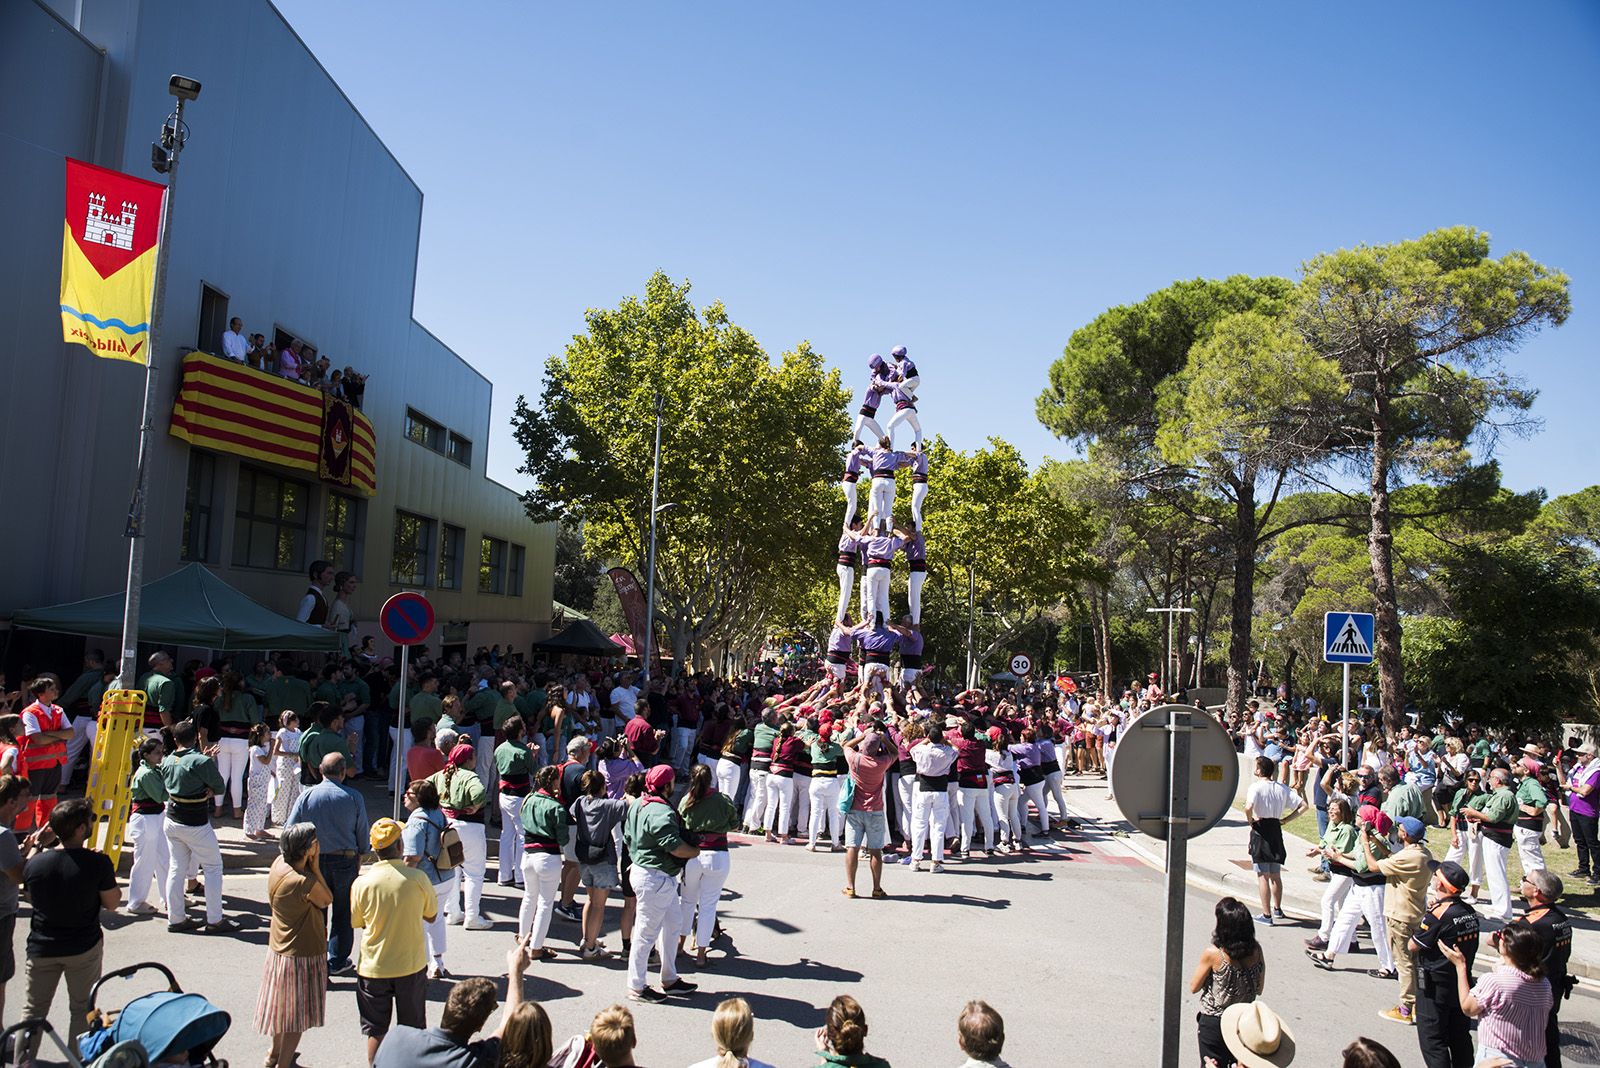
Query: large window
point(412, 563)
point(519, 557)
point(344, 533)
point(197, 498)
point(269, 528)
point(452, 545)
point(459, 449)
point(492, 566)
point(424, 431)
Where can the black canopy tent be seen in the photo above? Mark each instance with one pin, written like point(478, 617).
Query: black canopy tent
point(580, 638)
point(190, 607)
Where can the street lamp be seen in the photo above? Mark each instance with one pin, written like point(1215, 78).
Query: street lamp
point(164, 158)
point(650, 563)
point(1166, 664)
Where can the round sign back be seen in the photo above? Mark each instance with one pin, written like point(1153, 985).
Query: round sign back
point(1140, 771)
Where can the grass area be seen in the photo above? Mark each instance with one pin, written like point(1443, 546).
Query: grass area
point(1578, 895)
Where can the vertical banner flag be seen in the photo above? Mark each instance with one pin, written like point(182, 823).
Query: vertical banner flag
point(108, 260)
point(333, 459)
point(632, 598)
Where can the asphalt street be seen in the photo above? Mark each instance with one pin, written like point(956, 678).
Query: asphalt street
point(1066, 943)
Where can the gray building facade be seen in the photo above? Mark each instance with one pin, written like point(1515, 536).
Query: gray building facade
point(292, 215)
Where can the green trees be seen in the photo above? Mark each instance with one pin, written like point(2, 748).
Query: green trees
point(751, 452)
point(1418, 330)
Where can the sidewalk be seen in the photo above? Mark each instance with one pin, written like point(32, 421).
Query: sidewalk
point(1219, 862)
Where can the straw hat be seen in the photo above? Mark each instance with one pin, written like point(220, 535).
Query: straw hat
point(1256, 1035)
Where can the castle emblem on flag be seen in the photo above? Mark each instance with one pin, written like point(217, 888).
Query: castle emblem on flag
point(114, 230)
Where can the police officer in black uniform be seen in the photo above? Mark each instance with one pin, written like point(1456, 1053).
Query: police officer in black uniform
point(1540, 889)
point(1443, 1031)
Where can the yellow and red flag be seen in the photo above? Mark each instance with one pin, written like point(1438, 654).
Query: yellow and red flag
point(108, 260)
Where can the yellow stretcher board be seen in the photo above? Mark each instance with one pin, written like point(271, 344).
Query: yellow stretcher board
point(118, 731)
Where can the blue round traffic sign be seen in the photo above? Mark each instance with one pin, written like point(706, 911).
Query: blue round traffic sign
point(406, 618)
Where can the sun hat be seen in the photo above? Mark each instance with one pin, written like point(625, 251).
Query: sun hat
point(1256, 1036)
point(384, 833)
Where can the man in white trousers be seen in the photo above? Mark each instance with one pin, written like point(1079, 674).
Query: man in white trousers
point(658, 850)
point(930, 814)
point(192, 780)
point(1496, 819)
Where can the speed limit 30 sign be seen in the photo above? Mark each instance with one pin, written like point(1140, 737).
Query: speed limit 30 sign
point(1021, 664)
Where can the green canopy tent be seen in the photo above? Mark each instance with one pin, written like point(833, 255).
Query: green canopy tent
point(190, 607)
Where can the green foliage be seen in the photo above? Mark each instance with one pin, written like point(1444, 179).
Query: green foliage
point(1521, 631)
point(750, 454)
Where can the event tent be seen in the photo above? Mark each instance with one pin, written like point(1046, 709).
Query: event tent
point(581, 638)
point(190, 607)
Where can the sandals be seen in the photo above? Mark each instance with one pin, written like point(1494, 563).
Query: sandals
point(848, 892)
point(226, 925)
point(879, 895)
point(1320, 959)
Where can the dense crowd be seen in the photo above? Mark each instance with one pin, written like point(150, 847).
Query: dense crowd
point(292, 360)
point(602, 785)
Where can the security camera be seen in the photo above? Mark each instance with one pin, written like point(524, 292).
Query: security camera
point(183, 88)
point(160, 158)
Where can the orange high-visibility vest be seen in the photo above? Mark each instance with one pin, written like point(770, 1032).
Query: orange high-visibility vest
point(37, 753)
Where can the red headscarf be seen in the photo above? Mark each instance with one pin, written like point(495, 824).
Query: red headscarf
point(463, 755)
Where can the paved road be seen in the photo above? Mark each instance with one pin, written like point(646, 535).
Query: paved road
point(1067, 945)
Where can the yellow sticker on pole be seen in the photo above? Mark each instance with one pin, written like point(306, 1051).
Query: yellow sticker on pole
point(1210, 772)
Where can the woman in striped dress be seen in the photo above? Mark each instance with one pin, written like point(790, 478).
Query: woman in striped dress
point(295, 980)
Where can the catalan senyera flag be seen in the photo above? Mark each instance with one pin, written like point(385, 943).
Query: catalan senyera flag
point(236, 409)
point(108, 260)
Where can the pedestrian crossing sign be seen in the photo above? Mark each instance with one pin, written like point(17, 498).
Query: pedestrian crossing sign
point(1347, 637)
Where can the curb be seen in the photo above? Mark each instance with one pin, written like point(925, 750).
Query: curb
point(1234, 882)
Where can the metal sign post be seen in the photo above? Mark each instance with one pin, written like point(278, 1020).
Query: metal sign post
point(405, 619)
point(1174, 777)
point(1178, 730)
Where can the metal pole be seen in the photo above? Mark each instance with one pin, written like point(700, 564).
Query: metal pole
point(1178, 730)
point(650, 577)
point(972, 602)
point(141, 480)
point(400, 746)
point(1344, 728)
point(1166, 665)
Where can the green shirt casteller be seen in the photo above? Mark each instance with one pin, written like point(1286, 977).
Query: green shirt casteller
point(147, 784)
point(544, 817)
point(513, 758)
point(288, 693)
point(1529, 792)
point(423, 708)
point(161, 692)
point(480, 706)
point(504, 710)
point(463, 792)
point(1500, 807)
point(1404, 800)
point(652, 832)
point(317, 742)
point(243, 710)
point(187, 774)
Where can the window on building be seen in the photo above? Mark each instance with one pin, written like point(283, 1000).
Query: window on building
point(459, 450)
point(412, 562)
point(452, 545)
point(197, 498)
point(492, 566)
point(424, 431)
point(269, 528)
point(213, 320)
point(519, 557)
point(344, 533)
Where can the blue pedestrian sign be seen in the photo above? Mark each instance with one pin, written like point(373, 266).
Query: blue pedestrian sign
point(1347, 637)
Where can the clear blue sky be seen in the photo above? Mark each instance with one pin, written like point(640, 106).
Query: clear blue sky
point(972, 180)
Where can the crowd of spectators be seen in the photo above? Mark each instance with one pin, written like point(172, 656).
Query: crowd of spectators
point(292, 361)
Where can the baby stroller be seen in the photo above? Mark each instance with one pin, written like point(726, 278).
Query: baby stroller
point(165, 1027)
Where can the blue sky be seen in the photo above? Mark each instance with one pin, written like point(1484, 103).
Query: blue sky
point(972, 180)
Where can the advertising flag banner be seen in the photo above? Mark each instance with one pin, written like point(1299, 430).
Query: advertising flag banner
point(631, 594)
point(108, 260)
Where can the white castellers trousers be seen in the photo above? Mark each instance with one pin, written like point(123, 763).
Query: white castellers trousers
point(930, 814)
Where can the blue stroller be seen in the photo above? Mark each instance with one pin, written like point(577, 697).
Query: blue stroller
point(165, 1027)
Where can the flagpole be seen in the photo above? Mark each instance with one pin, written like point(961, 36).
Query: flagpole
point(129, 668)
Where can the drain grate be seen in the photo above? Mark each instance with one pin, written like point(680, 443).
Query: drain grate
point(1580, 1042)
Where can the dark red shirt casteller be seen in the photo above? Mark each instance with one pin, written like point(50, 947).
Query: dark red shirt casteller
point(641, 736)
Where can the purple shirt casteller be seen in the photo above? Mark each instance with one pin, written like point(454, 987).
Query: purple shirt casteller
point(858, 459)
point(878, 640)
point(916, 548)
point(885, 462)
point(911, 644)
point(840, 640)
point(883, 547)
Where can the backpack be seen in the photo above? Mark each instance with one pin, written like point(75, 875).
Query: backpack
point(451, 853)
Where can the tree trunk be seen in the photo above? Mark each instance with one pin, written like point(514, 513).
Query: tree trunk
point(1380, 547)
point(1102, 638)
point(1242, 604)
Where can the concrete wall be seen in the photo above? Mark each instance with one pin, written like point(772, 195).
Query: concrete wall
point(292, 206)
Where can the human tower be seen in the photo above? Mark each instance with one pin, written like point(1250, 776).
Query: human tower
point(869, 543)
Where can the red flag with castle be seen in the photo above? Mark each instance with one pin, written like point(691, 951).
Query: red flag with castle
point(108, 260)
